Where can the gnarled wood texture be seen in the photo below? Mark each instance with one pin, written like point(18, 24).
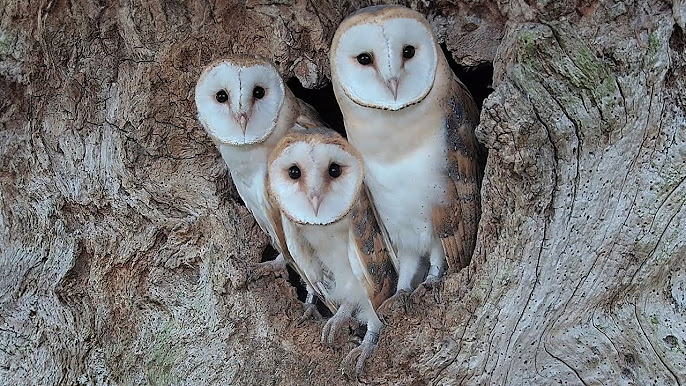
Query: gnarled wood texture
point(125, 248)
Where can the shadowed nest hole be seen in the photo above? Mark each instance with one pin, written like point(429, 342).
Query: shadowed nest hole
point(269, 254)
point(477, 79)
point(323, 100)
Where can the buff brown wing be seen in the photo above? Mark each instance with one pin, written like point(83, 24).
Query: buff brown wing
point(456, 219)
point(282, 247)
point(371, 257)
point(308, 117)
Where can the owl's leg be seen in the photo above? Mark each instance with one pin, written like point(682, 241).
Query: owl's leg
point(436, 261)
point(435, 274)
point(408, 263)
point(359, 355)
point(334, 324)
point(275, 267)
point(310, 307)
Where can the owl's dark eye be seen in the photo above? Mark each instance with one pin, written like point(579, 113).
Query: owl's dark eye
point(258, 92)
point(334, 170)
point(294, 172)
point(364, 59)
point(408, 52)
point(221, 96)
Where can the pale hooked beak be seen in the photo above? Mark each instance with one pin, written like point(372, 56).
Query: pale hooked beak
point(243, 121)
point(315, 201)
point(392, 85)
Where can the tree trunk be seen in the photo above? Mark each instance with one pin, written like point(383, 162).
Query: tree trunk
point(126, 249)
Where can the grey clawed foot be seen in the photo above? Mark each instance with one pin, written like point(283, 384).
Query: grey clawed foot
point(310, 308)
point(391, 306)
point(276, 267)
point(432, 283)
point(310, 312)
point(333, 327)
point(359, 355)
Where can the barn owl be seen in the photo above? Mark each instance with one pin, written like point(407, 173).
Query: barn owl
point(316, 178)
point(413, 123)
point(245, 107)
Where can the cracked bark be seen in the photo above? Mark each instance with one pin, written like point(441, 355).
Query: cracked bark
point(125, 246)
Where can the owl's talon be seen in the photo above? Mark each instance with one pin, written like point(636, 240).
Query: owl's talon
point(432, 283)
point(334, 324)
point(276, 267)
point(359, 355)
point(310, 312)
point(391, 306)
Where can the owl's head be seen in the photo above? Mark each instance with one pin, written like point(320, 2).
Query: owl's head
point(384, 57)
point(315, 175)
point(239, 99)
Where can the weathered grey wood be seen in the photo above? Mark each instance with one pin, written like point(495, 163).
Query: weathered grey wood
point(124, 251)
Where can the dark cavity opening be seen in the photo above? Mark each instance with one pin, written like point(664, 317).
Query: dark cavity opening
point(301, 291)
point(269, 254)
point(478, 79)
point(323, 100)
point(295, 281)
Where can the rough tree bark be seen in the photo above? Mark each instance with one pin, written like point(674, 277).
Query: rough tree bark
point(125, 248)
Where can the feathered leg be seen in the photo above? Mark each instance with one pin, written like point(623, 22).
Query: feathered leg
point(408, 264)
point(434, 276)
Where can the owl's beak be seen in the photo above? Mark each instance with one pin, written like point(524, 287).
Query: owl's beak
point(315, 201)
point(243, 121)
point(392, 85)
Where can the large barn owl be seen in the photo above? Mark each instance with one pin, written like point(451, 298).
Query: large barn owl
point(245, 107)
point(316, 178)
point(413, 123)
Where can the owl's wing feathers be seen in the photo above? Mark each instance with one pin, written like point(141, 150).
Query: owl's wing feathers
point(457, 218)
point(310, 271)
point(279, 234)
point(308, 117)
point(279, 237)
point(371, 259)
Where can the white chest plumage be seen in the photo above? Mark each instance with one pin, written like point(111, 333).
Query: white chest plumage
point(405, 172)
point(330, 248)
point(330, 243)
point(405, 190)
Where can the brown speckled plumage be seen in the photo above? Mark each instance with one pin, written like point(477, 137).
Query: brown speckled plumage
point(456, 221)
point(380, 278)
